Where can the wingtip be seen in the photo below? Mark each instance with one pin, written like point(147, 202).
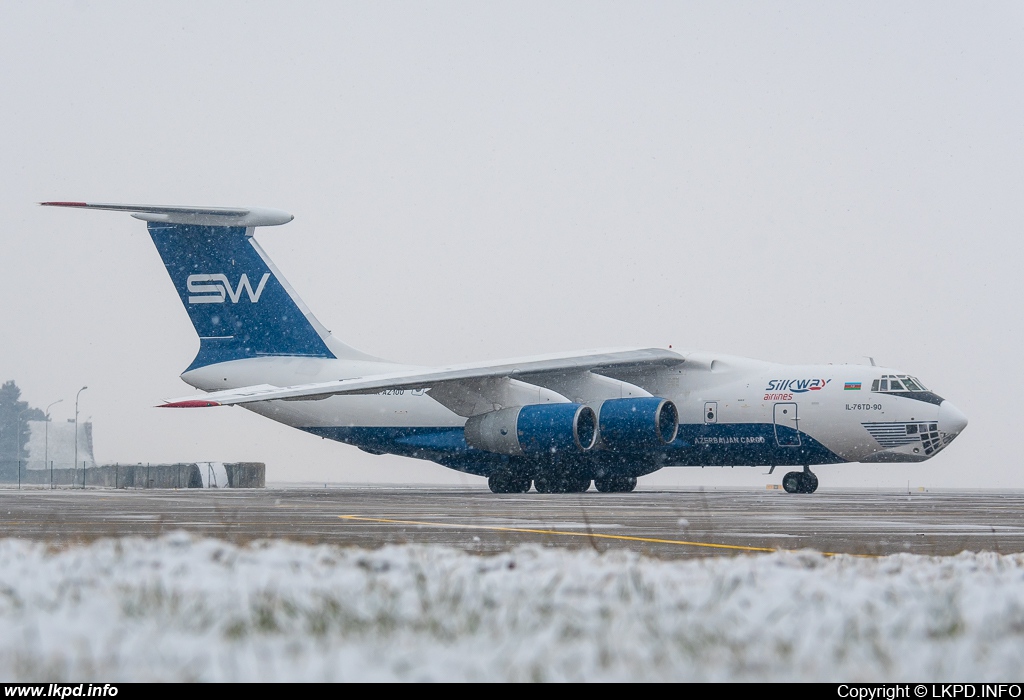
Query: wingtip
point(63, 204)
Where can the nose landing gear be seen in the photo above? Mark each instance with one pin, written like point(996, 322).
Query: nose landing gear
point(800, 482)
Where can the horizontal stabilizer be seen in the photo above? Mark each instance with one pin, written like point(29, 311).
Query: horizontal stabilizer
point(208, 400)
point(195, 216)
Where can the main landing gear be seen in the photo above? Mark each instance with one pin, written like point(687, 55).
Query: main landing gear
point(506, 482)
point(510, 482)
point(561, 483)
point(800, 482)
point(615, 484)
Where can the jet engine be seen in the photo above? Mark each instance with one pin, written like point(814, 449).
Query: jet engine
point(534, 429)
point(636, 425)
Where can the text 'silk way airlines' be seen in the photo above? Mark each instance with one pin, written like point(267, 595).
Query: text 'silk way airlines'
point(555, 422)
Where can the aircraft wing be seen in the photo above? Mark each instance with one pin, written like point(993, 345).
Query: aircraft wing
point(513, 369)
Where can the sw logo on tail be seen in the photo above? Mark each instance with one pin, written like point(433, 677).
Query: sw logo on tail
point(220, 292)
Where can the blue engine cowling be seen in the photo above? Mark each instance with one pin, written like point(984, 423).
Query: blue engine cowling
point(534, 429)
point(636, 425)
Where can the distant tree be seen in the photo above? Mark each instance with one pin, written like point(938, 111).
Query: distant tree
point(14, 417)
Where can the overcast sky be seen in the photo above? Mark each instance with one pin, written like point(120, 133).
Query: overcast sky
point(797, 182)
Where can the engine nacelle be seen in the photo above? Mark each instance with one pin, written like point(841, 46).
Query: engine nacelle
point(636, 425)
point(534, 429)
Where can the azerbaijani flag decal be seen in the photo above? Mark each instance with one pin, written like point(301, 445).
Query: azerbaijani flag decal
point(851, 386)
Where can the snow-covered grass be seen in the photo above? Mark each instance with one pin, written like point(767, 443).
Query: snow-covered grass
point(181, 608)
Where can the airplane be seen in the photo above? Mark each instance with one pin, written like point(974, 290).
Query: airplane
point(556, 422)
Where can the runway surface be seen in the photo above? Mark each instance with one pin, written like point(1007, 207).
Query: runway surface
point(665, 523)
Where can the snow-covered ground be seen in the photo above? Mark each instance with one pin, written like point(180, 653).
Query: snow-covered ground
point(181, 608)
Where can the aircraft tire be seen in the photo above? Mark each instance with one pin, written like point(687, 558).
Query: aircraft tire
point(616, 484)
point(808, 482)
point(497, 483)
point(793, 482)
point(546, 484)
point(503, 482)
point(561, 484)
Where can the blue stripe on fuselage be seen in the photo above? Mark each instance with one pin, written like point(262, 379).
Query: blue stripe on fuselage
point(732, 444)
point(746, 444)
point(409, 442)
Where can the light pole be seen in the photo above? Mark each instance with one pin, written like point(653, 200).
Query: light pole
point(75, 465)
point(46, 439)
point(17, 443)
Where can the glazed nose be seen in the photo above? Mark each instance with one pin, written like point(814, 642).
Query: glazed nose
point(951, 420)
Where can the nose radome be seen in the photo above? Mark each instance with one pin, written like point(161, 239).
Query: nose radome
point(951, 419)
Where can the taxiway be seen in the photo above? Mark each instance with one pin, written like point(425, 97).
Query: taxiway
point(665, 523)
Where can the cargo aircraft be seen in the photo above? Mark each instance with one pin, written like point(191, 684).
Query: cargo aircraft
point(558, 422)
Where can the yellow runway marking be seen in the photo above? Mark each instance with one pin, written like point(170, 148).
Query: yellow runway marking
point(596, 535)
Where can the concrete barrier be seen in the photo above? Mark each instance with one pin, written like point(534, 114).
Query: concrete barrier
point(246, 475)
point(184, 475)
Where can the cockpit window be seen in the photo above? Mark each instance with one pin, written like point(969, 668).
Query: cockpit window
point(897, 382)
point(917, 385)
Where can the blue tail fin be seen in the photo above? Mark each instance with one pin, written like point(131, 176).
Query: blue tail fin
point(239, 304)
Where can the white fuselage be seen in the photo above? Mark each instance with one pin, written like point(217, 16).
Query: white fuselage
point(731, 409)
